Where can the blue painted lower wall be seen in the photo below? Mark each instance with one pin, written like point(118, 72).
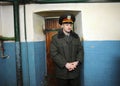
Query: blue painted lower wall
point(102, 63)
point(40, 61)
point(100, 68)
point(8, 66)
point(34, 63)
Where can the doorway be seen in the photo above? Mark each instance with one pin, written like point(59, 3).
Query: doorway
point(51, 19)
point(51, 27)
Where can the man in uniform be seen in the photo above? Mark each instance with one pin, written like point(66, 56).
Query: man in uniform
point(67, 52)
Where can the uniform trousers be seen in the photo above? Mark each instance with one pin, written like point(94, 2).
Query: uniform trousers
point(69, 82)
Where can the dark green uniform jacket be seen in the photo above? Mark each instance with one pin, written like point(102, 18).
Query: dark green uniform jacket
point(63, 50)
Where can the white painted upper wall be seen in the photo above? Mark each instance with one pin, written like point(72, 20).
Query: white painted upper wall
point(7, 21)
point(100, 21)
point(78, 26)
point(38, 24)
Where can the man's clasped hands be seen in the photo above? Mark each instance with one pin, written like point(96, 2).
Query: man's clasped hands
point(71, 66)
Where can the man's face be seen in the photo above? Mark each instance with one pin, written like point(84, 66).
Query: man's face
point(67, 27)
